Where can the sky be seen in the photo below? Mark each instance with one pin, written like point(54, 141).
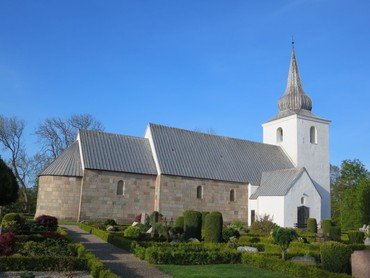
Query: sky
point(211, 64)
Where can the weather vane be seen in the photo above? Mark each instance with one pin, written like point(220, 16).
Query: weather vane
point(292, 41)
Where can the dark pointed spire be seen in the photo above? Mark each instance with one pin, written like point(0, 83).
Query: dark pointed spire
point(294, 97)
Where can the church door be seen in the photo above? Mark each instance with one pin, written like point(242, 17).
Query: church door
point(303, 213)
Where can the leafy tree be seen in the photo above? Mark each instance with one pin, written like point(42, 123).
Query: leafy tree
point(8, 186)
point(283, 237)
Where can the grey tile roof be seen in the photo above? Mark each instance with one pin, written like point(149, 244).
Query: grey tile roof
point(67, 164)
point(199, 155)
point(277, 183)
point(113, 152)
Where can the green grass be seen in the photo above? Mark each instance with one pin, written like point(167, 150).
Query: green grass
point(219, 270)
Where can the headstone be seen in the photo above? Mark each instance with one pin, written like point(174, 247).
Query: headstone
point(247, 249)
point(150, 230)
point(135, 223)
point(367, 241)
point(195, 240)
point(308, 260)
point(360, 261)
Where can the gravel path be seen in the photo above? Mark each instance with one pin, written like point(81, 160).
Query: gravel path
point(117, 260)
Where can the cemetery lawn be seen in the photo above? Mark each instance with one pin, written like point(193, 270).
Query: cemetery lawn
point(218, 270)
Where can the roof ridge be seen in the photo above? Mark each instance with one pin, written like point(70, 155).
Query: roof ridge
point(111, 134)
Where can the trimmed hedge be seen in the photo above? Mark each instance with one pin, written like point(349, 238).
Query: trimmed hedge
point(213, 227)
point(204, 214)
point(132, 232)
point(187, 256)
point(356, 237)
point(325, 225)
point(335, 257)
point(192, 224)
point(287, 267)
point(312, 225)
point(335, 233)
point(229, 232)
point(42, 263)
point(179, 223)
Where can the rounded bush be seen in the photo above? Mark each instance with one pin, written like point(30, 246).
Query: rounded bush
point(192, 224)
point(16, 217)
point(356, 237)
point(47, 221)
point(204, 214)
point(229, 232)
point(335, 233)
point(179, 222)
point(335, 256)
point(213, 227)
point(132, 232)
point(325, 225)
point(312, 225)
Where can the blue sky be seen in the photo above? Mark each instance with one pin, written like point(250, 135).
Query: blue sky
point(189, 64)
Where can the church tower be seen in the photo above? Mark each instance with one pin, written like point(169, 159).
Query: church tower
point(302, 135)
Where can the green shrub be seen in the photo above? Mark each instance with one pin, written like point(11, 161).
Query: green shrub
point(283, 237)
point(110, 222)
point(325, 225)
point(357, 247)
point(48, 247)
point(312, 225)
point(335, 257)
point(287, 267)
point(229, 232)
point(213, 227)
point(13, 222)
point(355, 237)
point(132, 232)
point(192, 224)
point(154, 218)
point(238, 226)
point(204, 214)
point(47, 221)
point(335, 233)
point(262, 225)
point(179, 222)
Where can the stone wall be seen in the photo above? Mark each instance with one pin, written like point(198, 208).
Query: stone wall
point(177, 194)
point(58, 196)
point(100, 200)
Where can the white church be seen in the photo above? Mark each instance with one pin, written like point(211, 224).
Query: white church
point(104, 175)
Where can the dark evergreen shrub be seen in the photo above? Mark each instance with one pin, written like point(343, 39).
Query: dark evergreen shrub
point(213, 227)
point(335, 233)
point(110, 222)
point(192, 224)
point(312, 225)
point(335, 256)
point(325, 225)
point(47, 221)
point(229, 232)
point(356, 237)
point(204, 213)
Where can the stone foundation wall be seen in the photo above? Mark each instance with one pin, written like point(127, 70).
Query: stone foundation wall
point(100, 199)
point(177, 194)
point(58, 196)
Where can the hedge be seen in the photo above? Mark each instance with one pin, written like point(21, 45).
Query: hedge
point(213, 227)
point(42, 263)
point(287, 267)
point(183, 256)
point(179, 222)
point(335, 233)
point(356, 237)
point(192, 224)
point(312, 225)
point(325, 225)
point(335, 257)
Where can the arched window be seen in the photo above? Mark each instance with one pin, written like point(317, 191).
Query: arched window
point(303, 201)
point(313, 135)
point(232, 195)
point(199, 192)
point(279, 135)
point(121, 188)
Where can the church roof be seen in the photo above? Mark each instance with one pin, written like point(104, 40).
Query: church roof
point(277, 183)
point(118, 153)
point(193, 154)
point(67, 164)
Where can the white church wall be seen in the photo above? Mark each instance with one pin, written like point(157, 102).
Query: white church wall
point(289, 142)
point(273, 206)
point(302, 188)
point(252, 203)
point(315, 157)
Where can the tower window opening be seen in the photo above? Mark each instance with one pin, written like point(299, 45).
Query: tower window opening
point(199, 192)
point(121, 188)
point(303, 201)
point(313, 135)
point(279, 135)
point(232, 195)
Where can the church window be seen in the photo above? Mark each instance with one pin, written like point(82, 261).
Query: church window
point(279, 135)
point(313, 135)
point(199, 192)
point(121, 188)
point(303, 201)
point(232, 195)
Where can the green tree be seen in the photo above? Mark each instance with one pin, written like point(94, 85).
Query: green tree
point(8, 186)
point(283, 237)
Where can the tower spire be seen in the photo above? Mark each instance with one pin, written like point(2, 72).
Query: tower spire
point(294, 97)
